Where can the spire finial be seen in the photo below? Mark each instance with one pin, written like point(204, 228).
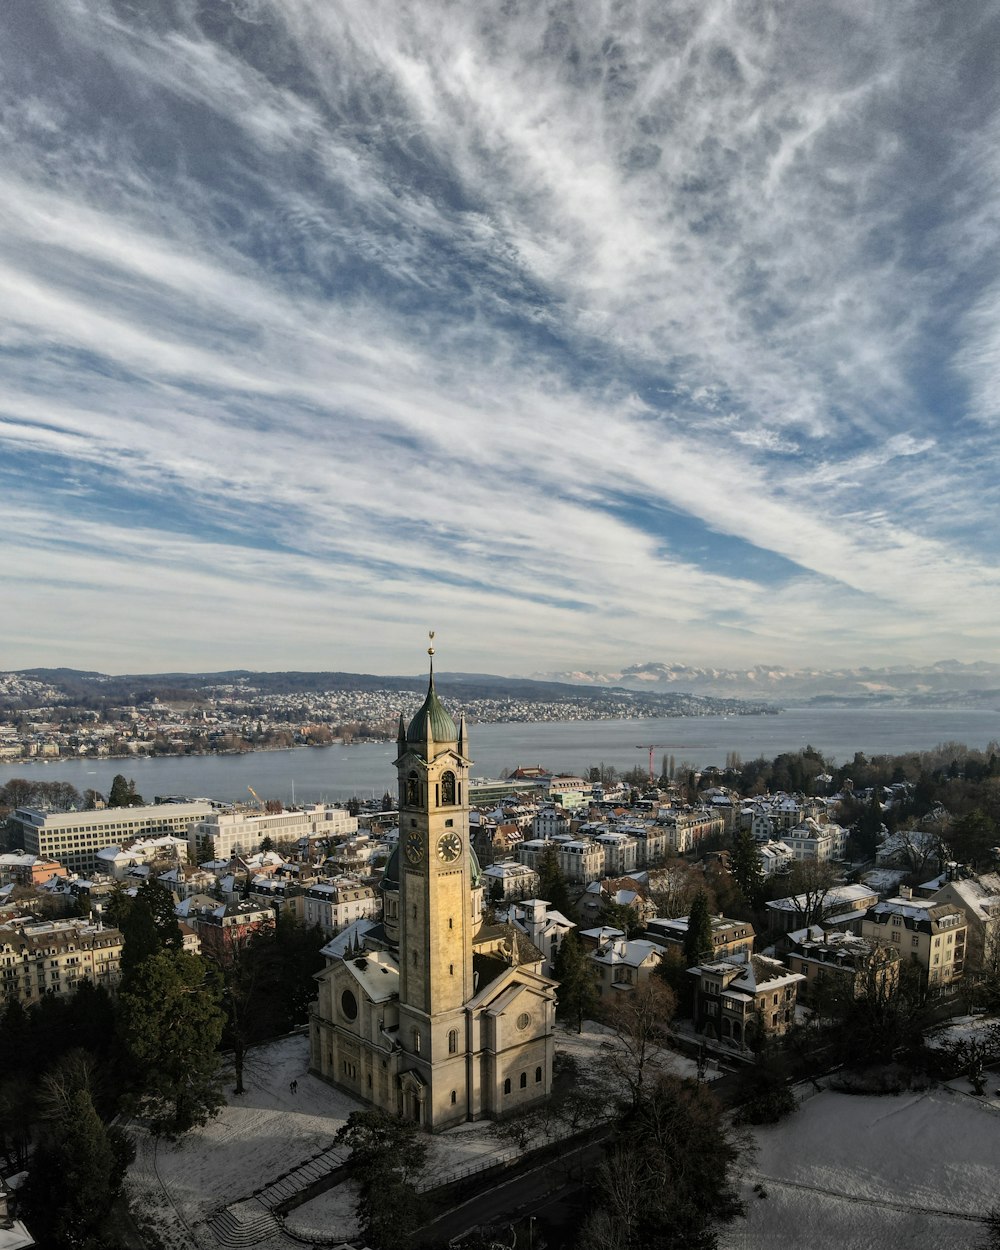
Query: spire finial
point(430, 652)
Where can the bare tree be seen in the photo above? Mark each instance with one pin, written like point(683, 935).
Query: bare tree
point(673, 887)
point(810, 883)
point(640, 1019)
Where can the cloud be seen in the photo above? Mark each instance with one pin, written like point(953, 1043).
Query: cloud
point(370, 314)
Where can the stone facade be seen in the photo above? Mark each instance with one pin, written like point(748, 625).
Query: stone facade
point(445, 1021)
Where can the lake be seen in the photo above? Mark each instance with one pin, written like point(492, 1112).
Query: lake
point(309, 774)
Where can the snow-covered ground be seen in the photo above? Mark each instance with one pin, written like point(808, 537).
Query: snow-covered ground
point(843, 1173)
point(854, 1173)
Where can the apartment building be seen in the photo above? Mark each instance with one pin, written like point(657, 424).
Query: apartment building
point(52, 957)
point(729, 937)
point(844, 963)
point(933, 935)
point(333, 905)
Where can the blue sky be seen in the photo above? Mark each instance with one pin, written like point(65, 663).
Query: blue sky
point(586, 334)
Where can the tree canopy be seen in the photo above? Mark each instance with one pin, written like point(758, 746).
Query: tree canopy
point(122, 793)
point(171, 1025)
point(698, 939)
point(577, 977)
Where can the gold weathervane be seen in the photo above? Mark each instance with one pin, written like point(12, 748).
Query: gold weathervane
point(430, 649)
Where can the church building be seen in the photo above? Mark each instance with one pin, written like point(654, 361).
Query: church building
point(439, 1017)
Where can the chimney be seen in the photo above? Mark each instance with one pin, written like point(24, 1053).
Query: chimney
point(905, 892)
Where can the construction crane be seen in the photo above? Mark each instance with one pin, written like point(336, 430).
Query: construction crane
point(260, 802)
point(651, 747)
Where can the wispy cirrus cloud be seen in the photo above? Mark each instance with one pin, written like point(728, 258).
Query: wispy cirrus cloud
point(398, 304)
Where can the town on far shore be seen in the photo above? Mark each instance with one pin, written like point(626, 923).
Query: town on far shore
point(62, 714)
point(763, 924)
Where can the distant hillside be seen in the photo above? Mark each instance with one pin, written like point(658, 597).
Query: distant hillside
point(71, 687)
point(947, 682)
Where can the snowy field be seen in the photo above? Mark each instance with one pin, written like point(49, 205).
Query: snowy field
point(855, 1173)
point(843, 1173)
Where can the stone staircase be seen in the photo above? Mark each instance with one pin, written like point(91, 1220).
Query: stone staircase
point(254, 1221)
point(244, 1226)
point(316, 1168)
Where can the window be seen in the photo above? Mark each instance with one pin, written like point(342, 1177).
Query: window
point(915, 940)
point(897, 920)
point(506, 1086)
point(452, 1041)
point(448, 789)
point(454, 1097)
point(416, 1041)
point(538, 1076)
point(524, 1080)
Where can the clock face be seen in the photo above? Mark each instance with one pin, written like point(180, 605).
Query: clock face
point(449, 847)
point(413, 848)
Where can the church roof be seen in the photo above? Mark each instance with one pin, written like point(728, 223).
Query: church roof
point(432, 722)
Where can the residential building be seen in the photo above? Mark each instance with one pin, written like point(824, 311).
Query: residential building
point(933, 935)
point(53, 956)
point(19, 868)
point(580, 860)
point(843, 962)
point(687, 827)
point(979, 899)
point(621, 852)
point(118, 861)
point(729, 937)
point(333, 905)
point(508, 880)
point(545, 926)
point(812, 840)
point(839, 907)
point(224, 928)
point(623, 965)
point(737, 1000)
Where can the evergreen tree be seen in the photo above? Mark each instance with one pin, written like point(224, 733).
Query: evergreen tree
point(141, 940)
point(75, 1175)
point(698, 939)
point(163, 909)
point(123, 793)
point(387, 1157)
point(171, 1023)
point(551, 883)
point(577, 977)
point(745, 866)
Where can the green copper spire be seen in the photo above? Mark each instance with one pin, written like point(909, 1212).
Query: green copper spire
point(432, 723)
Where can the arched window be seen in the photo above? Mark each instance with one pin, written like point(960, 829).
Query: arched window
point(538, 1076)
point(416, 1041)
point(411, 787)
point(453, 1041)
point(524, 1080)
point(448, 789)
point(454, 1098)
point(506, 1086)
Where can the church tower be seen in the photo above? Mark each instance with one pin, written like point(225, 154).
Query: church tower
point(439, 1017)
point(435, 917)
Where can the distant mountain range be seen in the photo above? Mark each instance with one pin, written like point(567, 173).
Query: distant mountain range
point(948, 682)
point(677, 689)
